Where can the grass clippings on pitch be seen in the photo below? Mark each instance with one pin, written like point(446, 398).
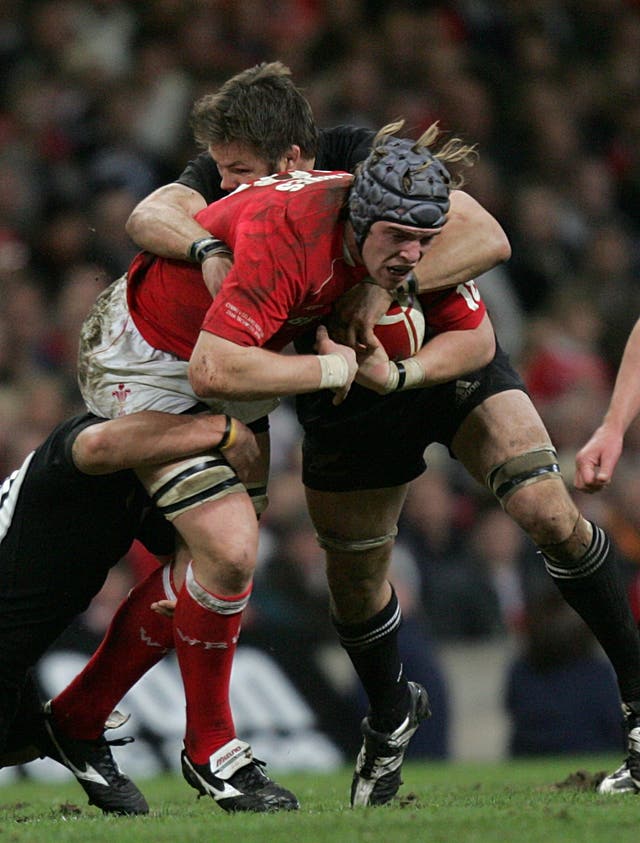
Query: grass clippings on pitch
point(582, 780)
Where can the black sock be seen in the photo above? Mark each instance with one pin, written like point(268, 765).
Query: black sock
point(372, 647)
point(595, 590)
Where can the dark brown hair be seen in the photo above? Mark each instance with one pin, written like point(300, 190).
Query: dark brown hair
point(260, 107)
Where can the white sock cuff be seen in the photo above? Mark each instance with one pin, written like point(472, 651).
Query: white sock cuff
point(212, 602)
point(167, 585)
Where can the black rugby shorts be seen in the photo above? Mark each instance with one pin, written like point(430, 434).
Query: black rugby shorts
point(372, 441)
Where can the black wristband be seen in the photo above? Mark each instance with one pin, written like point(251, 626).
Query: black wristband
point(402, 375)
point(226, 434)
point(206, 247)
point(408, 287)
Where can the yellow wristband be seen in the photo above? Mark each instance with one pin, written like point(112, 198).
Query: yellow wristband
point(230, 434)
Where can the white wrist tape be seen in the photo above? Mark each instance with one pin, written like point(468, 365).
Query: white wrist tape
point(405, 374)
point(393, 378)
point(335, 370)
point(415, 374)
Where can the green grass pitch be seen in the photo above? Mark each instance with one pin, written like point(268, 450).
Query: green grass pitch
point(525, 801)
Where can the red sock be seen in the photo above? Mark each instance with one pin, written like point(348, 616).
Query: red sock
point(206, 629)
point(137, 639)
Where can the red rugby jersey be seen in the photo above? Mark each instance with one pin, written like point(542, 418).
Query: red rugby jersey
point(286, 233)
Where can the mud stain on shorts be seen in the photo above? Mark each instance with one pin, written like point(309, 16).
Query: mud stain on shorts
point(94, 327)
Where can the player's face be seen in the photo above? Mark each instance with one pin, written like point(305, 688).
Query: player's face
point(238, 164)
point(390, 251)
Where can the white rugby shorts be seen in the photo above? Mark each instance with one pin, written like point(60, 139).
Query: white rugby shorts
point(120, 373)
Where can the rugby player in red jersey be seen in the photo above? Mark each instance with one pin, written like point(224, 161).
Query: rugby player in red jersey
point(76, 716)
point(299, 242)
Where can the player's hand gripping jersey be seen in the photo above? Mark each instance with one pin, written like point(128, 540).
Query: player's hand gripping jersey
point(286, 233)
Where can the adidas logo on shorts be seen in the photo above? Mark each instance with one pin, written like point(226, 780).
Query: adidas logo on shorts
point(464, 389)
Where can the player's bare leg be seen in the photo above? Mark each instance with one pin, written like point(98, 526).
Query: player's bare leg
point(216, 519)
point(357, 530)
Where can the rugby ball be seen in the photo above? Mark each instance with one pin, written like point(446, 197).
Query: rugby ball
point(401, 329)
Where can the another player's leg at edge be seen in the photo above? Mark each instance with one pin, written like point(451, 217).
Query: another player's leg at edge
point(34, 734)
point(234, 779)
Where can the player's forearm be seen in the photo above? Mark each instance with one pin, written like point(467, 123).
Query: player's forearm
point(163, 223)
point(445, 357)
point(625, 399)
point(471, 243)
point(143, 439)
point(255, 377)
point(219, 369)
point(454, 353)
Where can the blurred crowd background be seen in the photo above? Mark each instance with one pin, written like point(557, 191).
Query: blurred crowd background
point(94, 103)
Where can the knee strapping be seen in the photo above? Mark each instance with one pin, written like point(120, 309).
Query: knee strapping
point(259, 497)
point(329, 542)
point(523, 470)
point(192, 483)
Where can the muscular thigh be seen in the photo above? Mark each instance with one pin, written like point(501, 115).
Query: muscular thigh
point(357, 515)
point(208, 476)
point(212, 511)
point(503, 426)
